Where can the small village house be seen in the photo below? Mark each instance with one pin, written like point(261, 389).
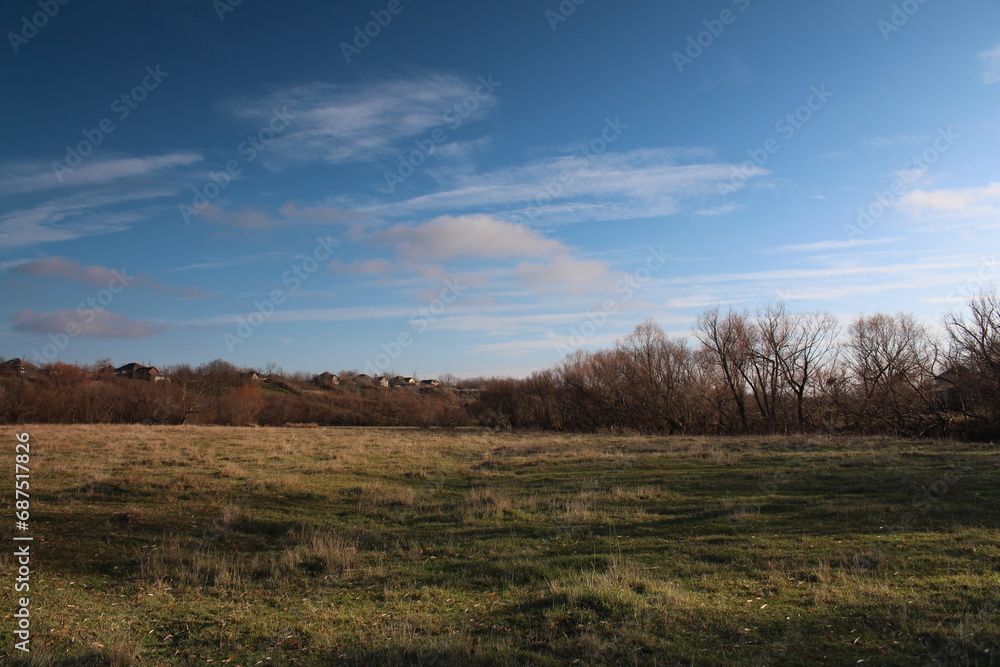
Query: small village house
point(136, 371)
point(20, 368)
point(326, 380)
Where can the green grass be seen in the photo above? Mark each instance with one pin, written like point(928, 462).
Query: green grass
point(198, 545)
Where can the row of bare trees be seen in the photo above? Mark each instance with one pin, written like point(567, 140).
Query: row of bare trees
point(774, 371)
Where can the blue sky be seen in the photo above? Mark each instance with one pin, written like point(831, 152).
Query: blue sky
point(478, 188)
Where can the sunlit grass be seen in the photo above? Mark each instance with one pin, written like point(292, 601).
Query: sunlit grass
point(181, 545)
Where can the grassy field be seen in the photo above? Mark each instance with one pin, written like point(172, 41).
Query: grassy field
point(197, 545)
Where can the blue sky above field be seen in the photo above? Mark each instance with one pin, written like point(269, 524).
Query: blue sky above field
point(430, 187)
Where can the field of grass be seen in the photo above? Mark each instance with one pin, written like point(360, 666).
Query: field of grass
point(199, 545)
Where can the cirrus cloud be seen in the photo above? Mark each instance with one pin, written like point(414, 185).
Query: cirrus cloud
point(99, 276)
point(340, 124)
point(991, 65)
point(86, 323)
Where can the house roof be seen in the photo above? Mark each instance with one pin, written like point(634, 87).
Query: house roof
point(19, 364)
point(137, 368)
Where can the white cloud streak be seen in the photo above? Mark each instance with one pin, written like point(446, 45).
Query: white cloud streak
point(32, 177)
point(991, 65)
point(342, 124)
point(641, 183)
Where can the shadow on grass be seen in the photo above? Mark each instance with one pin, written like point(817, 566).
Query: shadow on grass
point(89, 659)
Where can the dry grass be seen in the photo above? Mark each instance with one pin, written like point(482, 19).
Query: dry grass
point(380, 494)
point(180, 545)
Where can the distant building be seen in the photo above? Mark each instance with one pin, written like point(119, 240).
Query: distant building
point(326, 380)
point(430, 383)
point(381, 381)
point(136, 371)
point(20, 368)
point(400, 381)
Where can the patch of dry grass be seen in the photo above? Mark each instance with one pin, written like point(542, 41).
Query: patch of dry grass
point(176, 545)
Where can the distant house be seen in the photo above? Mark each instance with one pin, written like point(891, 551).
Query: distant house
point(400, 381)
point(136, 371)
point(20, 368)
point(430, 383)
point(326, 380)
point(381, 381)
point(253, 376)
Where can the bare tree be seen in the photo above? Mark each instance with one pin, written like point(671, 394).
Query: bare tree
point(891, 360)
point(770, 345)
point(729, 341)
point(811, 350)
point(975, 357)
point(656, 372)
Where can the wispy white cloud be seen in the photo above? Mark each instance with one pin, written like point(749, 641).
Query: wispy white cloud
point(718, 210)
point(290, 214)
point(962, 202)
point(563, 274)
point(229, 262)
point(82, 215)
point(345, 314)
point(899, 140)
point(22, 177)
point(70, 269)
point(90, 324)
point(476, 236)
point(991, 65)
point(832, 245)
point(369, 267)
point(99, 276)
point(813, 274)
point(426, 246)
point(110, 195)
point(342, 124)
point(641, 183)
point(835, 283)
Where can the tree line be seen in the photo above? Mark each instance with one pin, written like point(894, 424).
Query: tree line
point(768, 372)
point(773, 371)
